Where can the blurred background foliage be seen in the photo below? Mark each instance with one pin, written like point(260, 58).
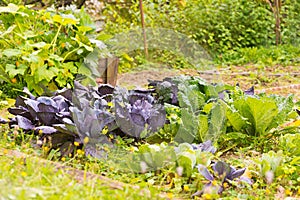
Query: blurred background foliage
point(220, 26)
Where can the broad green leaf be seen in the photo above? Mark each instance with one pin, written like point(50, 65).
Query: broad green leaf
point(31, 58)
point(27, 34)
point(69, 19)
point(271, 161)
point(84, 70)
point(12, 52)
point(88, 80)
point(207, 107)
point(260, 112)
point(187, 160)
point(82, 40)
point(190, 97)
point(203, 157)
point(188, 128)
point(4, 78)
point(9, 30)
point(86, 47)
point(202, 127)
point(3, 75)
point(265, 167)
point(92, 62)
point(32, 85)
point(104, 37)
point(216, 122)
point(127, 57)
point(184, 147)
point(55, 57)
point(146, 153)
point(38, 45)
point(285, 106)
point(70, 66)
point(212, 91)
point(290, 143)
point(37, 62)
point(157, 156)
point(13, 70)
point(43, 73)
point(12, 8)
point(234, 118)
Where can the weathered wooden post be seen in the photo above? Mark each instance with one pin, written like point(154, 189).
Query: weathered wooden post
point(109, 70)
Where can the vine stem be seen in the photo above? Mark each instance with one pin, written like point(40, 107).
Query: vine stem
point(55, 38)
point(69, 53)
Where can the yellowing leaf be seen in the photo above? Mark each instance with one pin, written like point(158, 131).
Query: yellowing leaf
point(57, 18)
point(127, 57)
point(84, 28)
point(295, 123)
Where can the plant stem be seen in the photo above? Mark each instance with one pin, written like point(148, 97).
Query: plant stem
point(69, 53)
point(53, 42)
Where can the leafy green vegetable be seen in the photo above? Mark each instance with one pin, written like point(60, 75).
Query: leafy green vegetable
point(257, 115)
point(271, 162)
point(157, 156)
point(137, 112)
point(290, 143)
point(190, 155)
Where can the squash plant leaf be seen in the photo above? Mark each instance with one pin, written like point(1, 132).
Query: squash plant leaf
point(12, 52)
point(13, 70)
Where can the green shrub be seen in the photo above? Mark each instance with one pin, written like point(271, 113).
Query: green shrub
point(43, 50)
point(290, 25)
point(231, 24)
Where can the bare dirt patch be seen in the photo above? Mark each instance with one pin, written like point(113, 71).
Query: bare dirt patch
point(282, 80)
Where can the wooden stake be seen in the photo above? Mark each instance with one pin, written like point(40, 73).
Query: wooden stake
point(143, 28)
point(277, 17)
point(276, 12)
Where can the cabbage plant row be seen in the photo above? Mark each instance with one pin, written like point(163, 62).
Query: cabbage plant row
point(94, 116)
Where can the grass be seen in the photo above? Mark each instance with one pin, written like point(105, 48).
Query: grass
point(25, 176)
point(26, 179)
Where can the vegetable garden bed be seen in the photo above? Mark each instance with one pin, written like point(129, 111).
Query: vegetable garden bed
point(167, 164)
